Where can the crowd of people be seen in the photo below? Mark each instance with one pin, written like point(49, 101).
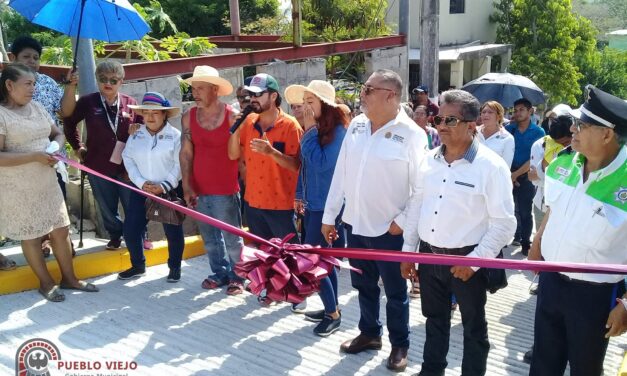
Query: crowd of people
point(448, 178)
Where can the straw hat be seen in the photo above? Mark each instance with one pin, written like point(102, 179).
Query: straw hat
point(323, 90)
point(205, 73)
point(155, 101)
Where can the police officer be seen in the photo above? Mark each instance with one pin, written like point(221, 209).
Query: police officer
point(586, 193)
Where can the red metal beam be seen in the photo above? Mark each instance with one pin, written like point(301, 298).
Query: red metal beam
point(146, 70)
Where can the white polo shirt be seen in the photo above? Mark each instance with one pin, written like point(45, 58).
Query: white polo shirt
point(535, 161)
point(468, 201)
point(501, 142)
point(375, 174)
point(588, 220)
point(153, 158)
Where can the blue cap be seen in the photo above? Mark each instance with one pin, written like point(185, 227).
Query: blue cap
point(421, 89)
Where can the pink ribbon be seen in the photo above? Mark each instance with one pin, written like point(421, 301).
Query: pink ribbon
point(303, 262)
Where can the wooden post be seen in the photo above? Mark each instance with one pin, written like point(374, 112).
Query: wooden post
point(430, 45)
point(297, 36)
point(234, 12)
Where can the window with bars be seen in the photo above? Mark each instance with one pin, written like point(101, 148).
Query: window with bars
point(457, 6)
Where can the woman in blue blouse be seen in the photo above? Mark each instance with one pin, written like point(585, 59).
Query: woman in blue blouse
point(325, 126)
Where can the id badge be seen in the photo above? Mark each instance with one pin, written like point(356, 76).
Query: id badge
point(116, 156)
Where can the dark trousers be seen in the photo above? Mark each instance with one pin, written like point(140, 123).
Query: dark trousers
point(367, 285)
point(134, 230)
point(269, 224)
point(523, 205)
point(570, 325)
point(108, 195)
point(436, 286)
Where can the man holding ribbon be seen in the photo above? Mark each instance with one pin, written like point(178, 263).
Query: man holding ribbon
point(376, 172)
point(107, 119)
point(462, 205)
point(586, 193)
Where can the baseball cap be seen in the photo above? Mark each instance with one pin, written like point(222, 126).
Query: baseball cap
point(262, 82)
point(421, 89)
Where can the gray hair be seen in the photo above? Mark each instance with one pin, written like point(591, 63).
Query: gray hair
point(110, 66)
point(407, 108)
point(468, 103)
point(391, 78)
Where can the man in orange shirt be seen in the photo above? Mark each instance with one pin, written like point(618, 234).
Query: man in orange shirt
point(269, 143)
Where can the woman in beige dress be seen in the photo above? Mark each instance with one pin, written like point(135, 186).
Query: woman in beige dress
point(31, 203)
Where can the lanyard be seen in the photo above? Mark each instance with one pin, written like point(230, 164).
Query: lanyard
point(113, 124)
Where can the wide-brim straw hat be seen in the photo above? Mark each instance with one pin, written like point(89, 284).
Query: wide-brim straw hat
point(155, 101)
point(323, 90)
point(205, 73)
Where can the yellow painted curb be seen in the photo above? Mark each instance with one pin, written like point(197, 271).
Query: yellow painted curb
point(623, 367)
point(95, 264)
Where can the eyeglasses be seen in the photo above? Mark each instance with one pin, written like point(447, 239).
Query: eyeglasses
point(243, 97)
point(581, 125)
point(369, 89)
point(449, 121)
point(257, 95)
point(106, 80)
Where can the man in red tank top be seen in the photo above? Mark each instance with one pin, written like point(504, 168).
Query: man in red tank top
point(210, 177)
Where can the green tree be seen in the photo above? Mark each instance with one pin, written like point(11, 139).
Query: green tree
point(207, 17)
point(550, 44)
point(608, 72)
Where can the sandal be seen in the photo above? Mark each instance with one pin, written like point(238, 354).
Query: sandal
point(210, 284)
point(54, 295)
point(6, 263)
point(82, 286)
point(235, 288)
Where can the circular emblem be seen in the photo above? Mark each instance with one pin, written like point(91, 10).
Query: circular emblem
point(621, 195)
point(160, 136)
point(388, 135)
point(34, 356)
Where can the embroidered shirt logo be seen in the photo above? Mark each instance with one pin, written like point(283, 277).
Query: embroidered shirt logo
point(621, 195)
point(397, 138)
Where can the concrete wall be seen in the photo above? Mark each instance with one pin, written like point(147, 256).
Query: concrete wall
point(390, 58)
point(455, 29)
point(288, 74)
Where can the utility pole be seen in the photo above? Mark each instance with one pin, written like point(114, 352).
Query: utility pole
point(234, 12)
point(430, 45)
point(297, 18)
point(86, 66)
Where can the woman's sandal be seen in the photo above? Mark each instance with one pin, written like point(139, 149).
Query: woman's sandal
point(82, 286)
point(210, 284)
point(54, 294)
point(6, 263)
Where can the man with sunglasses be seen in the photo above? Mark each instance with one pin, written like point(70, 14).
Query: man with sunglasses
point(269, 142)
point(375, 173)
point(586, 193)
point(525, 133)
point(107, 118)
point(463, 206)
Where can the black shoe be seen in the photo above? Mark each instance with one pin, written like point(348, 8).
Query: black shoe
point(133, 272)
point(528, 356)
point(314, 316)
point(328, 326)
point(525, 251)
point(114, 244)
point(174, 275)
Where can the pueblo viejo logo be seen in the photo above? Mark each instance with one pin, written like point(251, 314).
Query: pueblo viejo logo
point(40, 357)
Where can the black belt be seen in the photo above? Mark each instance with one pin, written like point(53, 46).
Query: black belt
point(462, 251)
point(566, 278)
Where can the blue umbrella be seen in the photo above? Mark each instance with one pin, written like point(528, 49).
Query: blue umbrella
point(504, 88)
point(107, 20)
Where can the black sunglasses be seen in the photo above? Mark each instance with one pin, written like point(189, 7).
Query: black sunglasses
point(112, 81)
point(369, 89)
point(243, 98)
point(449, 121)
point(257, 95)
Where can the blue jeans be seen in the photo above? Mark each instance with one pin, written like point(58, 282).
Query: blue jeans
point(367, 284)
point(313, 236)
point(135, 228)
point(223, 248)
point(108, 195)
